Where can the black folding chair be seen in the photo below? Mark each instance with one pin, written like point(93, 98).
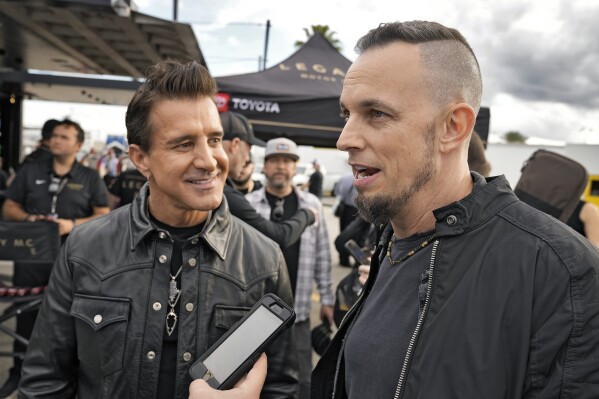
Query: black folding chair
point(27, 253)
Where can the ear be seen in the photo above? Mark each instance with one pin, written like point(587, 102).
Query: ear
point(459, 123)
point(235, 145)
point(139, 157)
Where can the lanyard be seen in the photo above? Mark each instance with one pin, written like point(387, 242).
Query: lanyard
point(55, 187)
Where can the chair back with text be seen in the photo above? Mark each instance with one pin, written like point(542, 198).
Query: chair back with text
point(27, 254)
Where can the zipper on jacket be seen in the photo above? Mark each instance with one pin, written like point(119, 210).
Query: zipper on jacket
point(406, 361)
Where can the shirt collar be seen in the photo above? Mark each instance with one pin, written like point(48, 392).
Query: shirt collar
point(216, 233)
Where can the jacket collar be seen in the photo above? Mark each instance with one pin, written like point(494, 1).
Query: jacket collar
point(488, 197)
point(216, 233)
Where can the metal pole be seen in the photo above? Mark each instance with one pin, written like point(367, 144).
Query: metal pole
point(175, 9)
point(266, 43)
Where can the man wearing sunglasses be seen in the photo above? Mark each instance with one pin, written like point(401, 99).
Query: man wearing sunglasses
point(307, 260)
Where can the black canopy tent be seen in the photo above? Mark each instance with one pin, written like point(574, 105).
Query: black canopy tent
point(299, 97)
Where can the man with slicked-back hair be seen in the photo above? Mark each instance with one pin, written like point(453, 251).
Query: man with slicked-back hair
point(137, 296)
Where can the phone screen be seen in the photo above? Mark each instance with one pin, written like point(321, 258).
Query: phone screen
point(240, 345)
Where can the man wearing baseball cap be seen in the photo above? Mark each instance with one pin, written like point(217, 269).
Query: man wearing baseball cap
point(309, 260)
point(237, 142)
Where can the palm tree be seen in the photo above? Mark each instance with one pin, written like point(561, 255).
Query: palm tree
point(325, 31)
point(515, 137)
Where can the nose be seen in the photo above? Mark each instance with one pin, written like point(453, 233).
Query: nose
point(350, 137)
point(203, 157)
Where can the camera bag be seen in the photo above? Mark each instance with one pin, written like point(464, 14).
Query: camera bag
point(552, 183)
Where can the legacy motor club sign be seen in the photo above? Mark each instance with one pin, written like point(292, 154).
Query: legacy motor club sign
point(315, 71)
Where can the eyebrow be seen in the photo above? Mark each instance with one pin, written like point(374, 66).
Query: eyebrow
point(192, 137)
point(216, 133)
point(180, 139)
point(374, 103)
point(370, 103)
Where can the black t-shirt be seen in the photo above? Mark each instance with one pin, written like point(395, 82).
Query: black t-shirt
point(83, 190)
point(315, 183)
point(167, 375)
point(377, 343)
point(291, 253)
point(127, 185)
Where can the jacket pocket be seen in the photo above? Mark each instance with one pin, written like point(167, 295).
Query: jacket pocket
point(224, 318)
point(101, 327)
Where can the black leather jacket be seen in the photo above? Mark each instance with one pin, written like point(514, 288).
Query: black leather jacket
point(100, 329)
point(511, 310)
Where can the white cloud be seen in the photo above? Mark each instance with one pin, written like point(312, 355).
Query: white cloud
point(538, 58)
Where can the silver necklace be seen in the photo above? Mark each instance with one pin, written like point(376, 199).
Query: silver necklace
point(174, 293)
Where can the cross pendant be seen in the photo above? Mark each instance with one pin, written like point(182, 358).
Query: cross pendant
point(171, 316)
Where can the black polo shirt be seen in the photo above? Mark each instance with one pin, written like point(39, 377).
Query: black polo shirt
point(84, 190)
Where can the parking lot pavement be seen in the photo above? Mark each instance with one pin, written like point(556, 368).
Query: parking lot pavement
point(338, 273)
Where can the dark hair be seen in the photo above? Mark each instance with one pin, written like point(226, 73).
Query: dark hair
point(477, 161)
point(48, 127)
point(70, 123)
point(452, 68)
point(165, 80)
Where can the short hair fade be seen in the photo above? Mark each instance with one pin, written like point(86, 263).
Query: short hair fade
point(452, 68)
point(167, 80)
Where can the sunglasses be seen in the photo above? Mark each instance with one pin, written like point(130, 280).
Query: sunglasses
point(277, 213)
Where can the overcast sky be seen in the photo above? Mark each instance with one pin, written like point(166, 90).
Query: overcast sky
point(539, 58)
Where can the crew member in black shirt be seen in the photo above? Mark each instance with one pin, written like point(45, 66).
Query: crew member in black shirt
point(61, 190)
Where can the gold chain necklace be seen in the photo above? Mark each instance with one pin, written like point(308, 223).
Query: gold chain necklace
point(423, 244)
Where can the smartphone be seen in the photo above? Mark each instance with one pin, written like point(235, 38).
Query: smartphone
point(234, 354)
point(355, 251)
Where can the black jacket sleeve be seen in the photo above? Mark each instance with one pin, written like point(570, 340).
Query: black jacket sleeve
point(49, 368)
point(359, 231)
point(285, 233)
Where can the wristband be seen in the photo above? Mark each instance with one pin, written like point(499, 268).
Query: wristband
point(74, 222)
point(26, 219)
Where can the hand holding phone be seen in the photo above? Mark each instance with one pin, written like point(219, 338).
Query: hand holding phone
point(248, 388)
point(233, 355)
point(354, 249)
